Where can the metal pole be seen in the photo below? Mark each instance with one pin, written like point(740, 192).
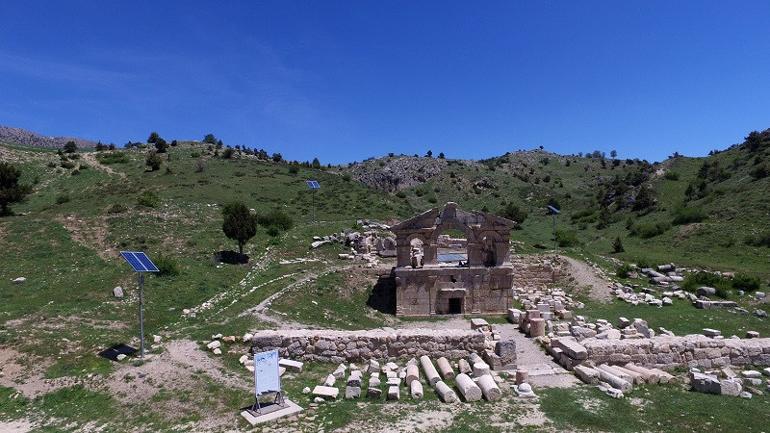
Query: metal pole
point(555, 241)
point(141, 315)
point(314, 205)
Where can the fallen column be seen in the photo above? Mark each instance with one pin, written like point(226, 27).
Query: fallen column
point(613, 380)
point(468, 388)
point(416, 389)
point(650, 376)
point(587, 374)
point(412, 373)
point(430, 371)
point(489, 388)
point(445, 393)
point(464, 366)
point(445, 368)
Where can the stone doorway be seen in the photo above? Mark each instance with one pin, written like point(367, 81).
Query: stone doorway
point(455, 306)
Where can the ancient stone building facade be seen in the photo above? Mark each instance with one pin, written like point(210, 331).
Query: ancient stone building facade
point(438, 274)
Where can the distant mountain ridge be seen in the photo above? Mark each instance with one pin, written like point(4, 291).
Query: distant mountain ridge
point(24, 137)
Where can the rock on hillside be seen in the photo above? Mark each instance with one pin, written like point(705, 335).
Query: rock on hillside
point(396, 173)
point(23, 137)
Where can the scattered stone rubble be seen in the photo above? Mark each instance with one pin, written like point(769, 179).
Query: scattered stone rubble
point(374, 238)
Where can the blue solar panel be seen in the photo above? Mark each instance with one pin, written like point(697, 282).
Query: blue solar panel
point(139, 261)
point(313, 184)
point(451, 257)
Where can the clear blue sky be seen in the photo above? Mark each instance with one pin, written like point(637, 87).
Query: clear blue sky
point(347, 80)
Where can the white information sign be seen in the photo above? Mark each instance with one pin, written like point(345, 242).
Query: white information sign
point(266, 377)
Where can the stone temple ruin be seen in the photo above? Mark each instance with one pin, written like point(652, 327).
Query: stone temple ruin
point(436, 273)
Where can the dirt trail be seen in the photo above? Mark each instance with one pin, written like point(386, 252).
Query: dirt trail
point(90, 158)
point(586, 276)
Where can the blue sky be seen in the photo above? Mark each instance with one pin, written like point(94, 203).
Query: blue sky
point(347, 80)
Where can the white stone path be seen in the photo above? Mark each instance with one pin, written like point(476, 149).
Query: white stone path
point(543, 371)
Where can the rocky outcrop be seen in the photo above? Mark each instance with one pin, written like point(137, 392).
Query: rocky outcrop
point(24, 137)
point(396, 173)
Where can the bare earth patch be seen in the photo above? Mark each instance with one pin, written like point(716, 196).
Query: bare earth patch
point(90, 233)
point(586, 276)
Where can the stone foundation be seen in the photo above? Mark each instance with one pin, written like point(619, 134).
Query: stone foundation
point(339, 346)
point(535, 272)
point(687, 351)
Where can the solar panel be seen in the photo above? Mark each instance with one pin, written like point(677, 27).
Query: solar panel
point(313, 184)
point(139, 261)
point(553, 210)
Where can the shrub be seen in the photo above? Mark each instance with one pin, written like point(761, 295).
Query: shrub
point(75, 172)
point(51, 164)
point(514, 213)
point(167, 266)
point(401, 194)
point(688, 215)
point(195, 154)
point(228, 153)
point(760, 172)
point(153, 160)
point(70, 147)
point(721, 284)
point(759, 240)
point(112, 158)
point(62, 198)
point(649, 230)
point(346, 177)
point(671, 175)
point(293, 169)
point(117, 208)
point(276, 218)
point(624, 271)
point(567, 238)
point(617, 245)
point(745, 282)
point(68, 165)
point(148, 199)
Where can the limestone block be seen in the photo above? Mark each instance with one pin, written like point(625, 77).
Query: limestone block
point(430, 371)
point(374, 392)
point(326, 392)
point(522, 376)
point(352, 392)
point(445, 393)
point(330, 379)
point(480, 368)
point(536, 327)
point(445, 368)
point(468, 388)
point(571, 348)
point(705, 383)
point(394, 393)
point(649, 376)
point(489, 388)
point(464, 366)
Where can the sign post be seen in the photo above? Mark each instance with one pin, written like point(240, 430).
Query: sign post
point(266, 378)
point(141, 264)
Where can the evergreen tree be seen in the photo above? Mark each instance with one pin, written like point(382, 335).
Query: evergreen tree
point(10, 189)
point(617, 245)
point(239, 224)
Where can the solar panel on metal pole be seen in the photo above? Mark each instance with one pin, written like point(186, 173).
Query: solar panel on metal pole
point(141, 264)
point(314, 186)
point(553, 211)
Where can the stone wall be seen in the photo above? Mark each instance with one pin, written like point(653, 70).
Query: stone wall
point(535, 272)
point(338, 346)
point(686, 351)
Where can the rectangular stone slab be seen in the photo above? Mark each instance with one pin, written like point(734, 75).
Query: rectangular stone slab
point(326, 391)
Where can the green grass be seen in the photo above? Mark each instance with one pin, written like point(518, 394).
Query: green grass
point(668, 408)
point(681, 318)
point(12, 403)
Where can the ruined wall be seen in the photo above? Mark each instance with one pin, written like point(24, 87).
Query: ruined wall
point(685, 351)
point(339, 346)
point(535, 272)
point(427, 291)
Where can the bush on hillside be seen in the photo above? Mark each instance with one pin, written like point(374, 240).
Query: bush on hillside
point(759, 240)
point(62, 198)
point(624, 271)
point(688, 215)
point(514, 213)
point(148, 199)
point(649, 230)
point(671, 175)
point(745, 282)
point(167, 266)
point(698, 279)
point(567, 238)
point(276, 218)
point(112, 158)
point(153, 160)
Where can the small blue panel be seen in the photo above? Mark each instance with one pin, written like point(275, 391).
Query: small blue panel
point(313, 184)
point(139, 261)
point(451, 257)
point(553, 210)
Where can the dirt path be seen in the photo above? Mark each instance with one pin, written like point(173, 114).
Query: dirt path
point(90, 158)
point(586, 276)
point(543, 371)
